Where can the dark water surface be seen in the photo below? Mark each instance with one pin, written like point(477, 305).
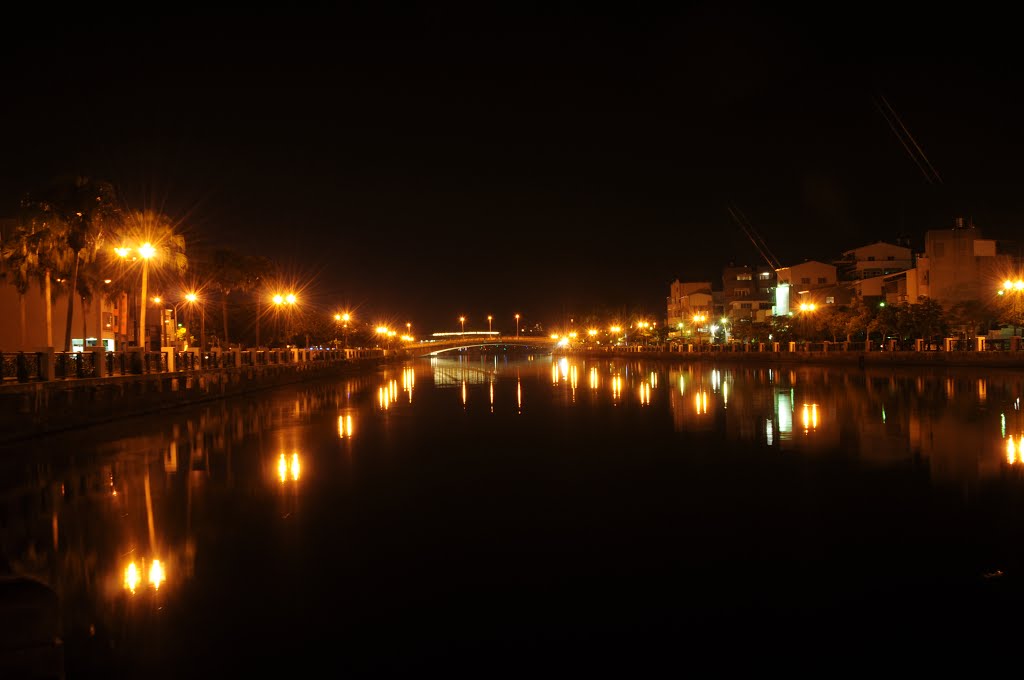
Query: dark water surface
point(489, 514)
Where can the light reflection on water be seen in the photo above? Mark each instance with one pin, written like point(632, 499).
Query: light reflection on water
point(126, 515)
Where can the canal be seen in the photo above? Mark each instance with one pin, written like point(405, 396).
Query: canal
point(533, 513)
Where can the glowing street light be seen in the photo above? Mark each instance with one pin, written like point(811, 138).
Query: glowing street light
point(282, 300)
point(462, 320)
point(192, 300)
point(489, 317)
point(806, 309)
point(146, 251)
point(1015, 304)
point(517, 325)
point(699, 319)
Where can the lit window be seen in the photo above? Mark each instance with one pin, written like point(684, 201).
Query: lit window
point(830, 300)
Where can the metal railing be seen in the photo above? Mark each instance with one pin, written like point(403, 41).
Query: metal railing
point(32, 366)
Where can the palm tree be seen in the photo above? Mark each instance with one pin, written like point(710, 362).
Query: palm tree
point(17, 269)
point(85, 208)
point(228, 274)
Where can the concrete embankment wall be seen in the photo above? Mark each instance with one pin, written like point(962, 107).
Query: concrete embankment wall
point(31, 409)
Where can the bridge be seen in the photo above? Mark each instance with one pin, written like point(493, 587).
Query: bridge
point(454, 342)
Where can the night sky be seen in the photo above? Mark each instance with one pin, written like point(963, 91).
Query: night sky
point(421, 166)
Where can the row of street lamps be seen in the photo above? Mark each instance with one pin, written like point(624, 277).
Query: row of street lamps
point(490, 319)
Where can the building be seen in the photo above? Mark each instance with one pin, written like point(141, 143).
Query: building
point(102, 322)
point(748, 293)
point(687, 299)
point(797, 281)
point(962, 265)
point(877, 259)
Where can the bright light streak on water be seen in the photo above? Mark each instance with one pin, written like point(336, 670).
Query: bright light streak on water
point(784, 409)
point(345, 426)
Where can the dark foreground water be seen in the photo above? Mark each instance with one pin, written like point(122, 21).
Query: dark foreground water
point(537, 515)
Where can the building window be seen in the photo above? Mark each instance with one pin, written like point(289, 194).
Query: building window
point(744, 305)
point(765, 276)
point(821, 279)
point(830, 300)
point(891, 257)
point(743, 277)
point(805, 279)
point(871, 258)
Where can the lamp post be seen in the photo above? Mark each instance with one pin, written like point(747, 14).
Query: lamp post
point(145, 251)
point(806, 309)
point(462, 320)
point(517, 325)
point(345, 318)
point(408, 328)
point(288, 301)
point(698, 319)
point(192, 300)
point(489, 317)
point(1013, 293)
point(163, 322)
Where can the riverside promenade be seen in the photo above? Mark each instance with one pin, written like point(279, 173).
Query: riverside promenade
point(50, 392)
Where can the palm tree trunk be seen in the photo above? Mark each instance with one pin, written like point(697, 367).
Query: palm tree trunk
point(224, 313)
point(85, 323)
point(71, 303)
point(24, 328)
point(49, 309)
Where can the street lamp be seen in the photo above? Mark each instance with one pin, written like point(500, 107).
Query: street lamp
point(408, 329)
point(192, 299)
point(517, 325)
point(489, 317)
point(462, 320)
point(806, 309)
point(1016, 308)
point(698, 319)
point(282, 300)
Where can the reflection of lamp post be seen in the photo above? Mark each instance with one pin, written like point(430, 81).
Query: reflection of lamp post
point(517, 325)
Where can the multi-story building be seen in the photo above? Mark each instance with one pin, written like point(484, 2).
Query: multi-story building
point(877, 259)
point(962, 265)
point(748, 292)
point(686, 299)
point(796, 282)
